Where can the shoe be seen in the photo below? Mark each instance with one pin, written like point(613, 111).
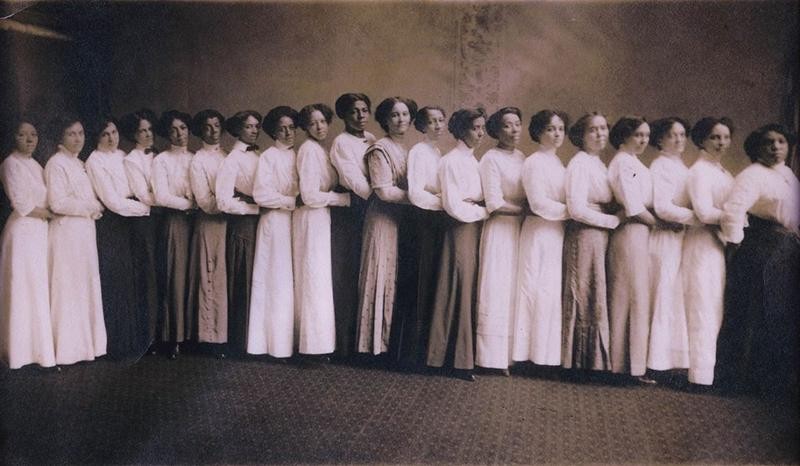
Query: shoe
point(464, 374)
point(176, 350)
point(505, 373)
point(645, 380)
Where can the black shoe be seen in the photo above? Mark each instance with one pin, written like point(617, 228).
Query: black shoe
point(645, 380)
point(464, 374)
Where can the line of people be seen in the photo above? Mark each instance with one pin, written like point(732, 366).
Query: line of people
point(426, 259)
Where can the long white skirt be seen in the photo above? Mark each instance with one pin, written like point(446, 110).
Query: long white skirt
point(704, 286)
point(497, 284)
point(26, 333)
point(669, 340)
point(272, 313)
point(76, 304)
point(537, 331)
point(313, 291)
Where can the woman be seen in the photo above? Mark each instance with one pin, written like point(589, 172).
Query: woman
point(382, 269)
point(272, 309)
point(537, 335)
point(424, 192)
point(501, 180)
point(585, 311)
point(451, 336)
point(758, 344)
point(26, 332)
point(126, 324)
point(76, 302)
point(669, 345)
point(173, 191)
point(234, 190)
point(709, 185)
point(628, 255)
point(208, 281)
point(311, 243)
point(347, 156)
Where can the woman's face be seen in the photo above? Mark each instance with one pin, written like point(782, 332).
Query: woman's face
point(674, 141)
point(26, 138)
point(285, 131)
point(399, 119)
point(637, 142)
point(718, 141)
point(434, 125)
point(250, 128)
point(73, 138)
point(553, 135)
point(510, 131)
point(144, 134)
point(318, 126)
point(596, 136)
point(212, 131)
point(475, 133)
point(358, 116)
point(178, 133)
point(108, 140)
point(774, 149)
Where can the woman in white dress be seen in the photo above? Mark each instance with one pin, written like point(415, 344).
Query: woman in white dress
point(585, 331)
point(537, 336)
point(385, 264)
point(311, 243)
point(669, 340)
point(126, 324)
point(26, 332)
point(709, 185)
point(275, 189)
point(628, 255)
point(501, 180)
point(173, 191)
point(76, 302)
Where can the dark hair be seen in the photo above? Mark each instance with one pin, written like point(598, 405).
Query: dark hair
point(304, 118)
point(165, 122)
point(97, 126)
point(755, 140)
point(461, 121)
point(129, 124)
point(59, 124)
point(273, 118)
point(384, 110)
point(200, 119)
point(624, 128)
point(345, 103)
point(578, 130)
point(421, 121)
point(495, 121)
point(9, 139)
point(662, 126)
point(234, 124)
point(541, 120)
point(703, 128)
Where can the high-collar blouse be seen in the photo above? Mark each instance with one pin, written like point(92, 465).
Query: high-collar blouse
point(347, 156)
point(670, 196)
point(460, 180)
point(588, 190)
point(424, 189)
point(69, 190)
point(23, 179)
point(138, 168)
point(203, 176)
point(237, 174)
point(277, 185)
point(501, 177)
point(543, 179)
point(107, 172)
point(631, 183)
point(317, 176)
point(171, 179)
point(709, 185)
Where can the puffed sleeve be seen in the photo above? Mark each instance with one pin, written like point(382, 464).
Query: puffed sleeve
point(164, 196)
point(702, 197)
point(417, 177)
point(309, 168)
point(380, 170)
point(12, 176)
point(452, 199)
point(743, 196)
point(103, 183)
point(225, 187)
point(59, 193)
point(491, 183)
point(664, 190)
point(138, 182)
point(627, 190)
point(203, 192)
point(535, 180)
point(578, 182)
point(265, 188)
point(350, 175)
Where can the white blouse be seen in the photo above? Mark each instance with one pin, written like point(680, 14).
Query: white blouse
point(501, 177)
point(138, 167)
point(203, 176)
point(318, 177)
point(23, 179)
point(543, 180)
point(347, 156)
point(587, 189)
point(709, 185)
point(631, 183)
point(171, 179)
point(460, 180)
point(238, 173)
point(107, 172)
point(424, 189)
point(771, 193)
point(69, 190)
point(277, 185)
point(670, 196)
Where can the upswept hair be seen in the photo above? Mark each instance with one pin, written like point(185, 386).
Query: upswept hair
point(578, 130)
point(384, 110)
point(235, 124)
point(304, 117)
point(200, 119)
point(495, 121)
point(461, 121)
point(541, 120)
point(165, 122)
point(756, 140)
point(421, 121)
point(624, 128)
point(129, 124)
point(345, 103)
point(662, 126)
point(703, 128)
point(273, 118)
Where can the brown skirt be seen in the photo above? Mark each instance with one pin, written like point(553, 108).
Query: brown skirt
point(175, 321)
point(208, 293)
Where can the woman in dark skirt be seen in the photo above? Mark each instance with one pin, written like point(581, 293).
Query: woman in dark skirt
point(758, 344)
point(125, 320)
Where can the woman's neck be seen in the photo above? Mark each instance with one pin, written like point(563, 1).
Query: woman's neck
point(359, 133)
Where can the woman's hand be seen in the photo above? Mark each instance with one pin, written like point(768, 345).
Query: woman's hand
point(41, 212)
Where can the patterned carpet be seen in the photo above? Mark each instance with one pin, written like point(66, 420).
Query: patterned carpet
point(202, 410)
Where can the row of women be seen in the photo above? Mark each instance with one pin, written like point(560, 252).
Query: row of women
point(430, 259)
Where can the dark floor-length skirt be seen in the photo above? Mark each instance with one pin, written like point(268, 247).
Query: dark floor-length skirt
point(452, 328)
point(585, 329)
point(240, 249)
point(758, 343)
point(208, 283)
point(347, 224)
point(147, 265)
point(175, 320)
